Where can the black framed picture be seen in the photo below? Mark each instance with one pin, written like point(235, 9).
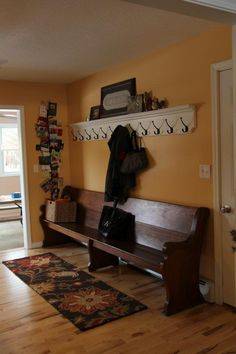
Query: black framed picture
point(94, 113)
point(52, 109)
point(114, 98)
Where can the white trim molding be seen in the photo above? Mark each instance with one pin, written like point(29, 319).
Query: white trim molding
point(223, 5)
point(36, 245)
point(19, 110)
point(215, 70)
point(234, 102)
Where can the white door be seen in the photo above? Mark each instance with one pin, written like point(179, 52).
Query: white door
point(227, 185)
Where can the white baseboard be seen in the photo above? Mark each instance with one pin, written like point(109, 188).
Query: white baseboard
point(207, 288)
point(37, 244)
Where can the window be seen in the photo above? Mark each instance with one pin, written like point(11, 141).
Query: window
point(9, 150)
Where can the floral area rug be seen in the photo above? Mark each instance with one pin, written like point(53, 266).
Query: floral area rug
point(81, 298)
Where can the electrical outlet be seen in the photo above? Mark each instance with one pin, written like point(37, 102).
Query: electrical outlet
point(204, 171)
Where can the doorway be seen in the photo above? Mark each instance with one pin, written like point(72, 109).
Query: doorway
point(13, 164)
point(224, 182)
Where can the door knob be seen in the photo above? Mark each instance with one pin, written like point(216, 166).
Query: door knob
point(225, 209)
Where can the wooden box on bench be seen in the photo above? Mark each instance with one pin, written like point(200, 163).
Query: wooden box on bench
point(61, 210)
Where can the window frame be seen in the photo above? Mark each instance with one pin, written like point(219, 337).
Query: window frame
point(2, 173)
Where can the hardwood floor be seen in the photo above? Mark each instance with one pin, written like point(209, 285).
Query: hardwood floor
point(30, 325)
point(11, 235)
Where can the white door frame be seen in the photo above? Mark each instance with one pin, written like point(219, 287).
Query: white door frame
point(215, 70)
point(23, 173)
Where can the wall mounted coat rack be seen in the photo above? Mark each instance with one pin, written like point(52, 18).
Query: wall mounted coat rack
point(167, 121)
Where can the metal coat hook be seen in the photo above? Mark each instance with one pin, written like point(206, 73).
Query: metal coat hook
point(169, 131)
point(104, 136)
point(110, 129)
point(132, 129)
point(89, 136)
point(74, 136)
point(81, 137)
point(185, 128)
point(145, 131)
point(96, 135)
point(158, 129)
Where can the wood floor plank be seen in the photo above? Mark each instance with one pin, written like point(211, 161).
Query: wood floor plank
point(30, 325)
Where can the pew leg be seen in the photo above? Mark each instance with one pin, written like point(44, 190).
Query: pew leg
point(54, 238)
point(182, 284)
point(100, 259)
point(51, 237)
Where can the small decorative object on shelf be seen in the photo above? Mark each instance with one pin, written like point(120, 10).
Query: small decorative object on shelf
point(94, 113)
point(151, 103)
point(135, 104)
point(145, 102)
point(49, 130)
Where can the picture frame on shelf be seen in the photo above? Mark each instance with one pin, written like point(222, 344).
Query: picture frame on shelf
point(114, 98)
point(94, 112)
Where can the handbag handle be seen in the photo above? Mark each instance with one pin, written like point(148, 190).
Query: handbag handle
point(116, 201)
point(137, 141)
point(134, 140)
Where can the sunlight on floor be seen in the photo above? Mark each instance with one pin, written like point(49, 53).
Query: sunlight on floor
point(11, 235)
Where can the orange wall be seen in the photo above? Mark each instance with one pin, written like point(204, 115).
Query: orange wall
point(30, 95)
point(182, 74)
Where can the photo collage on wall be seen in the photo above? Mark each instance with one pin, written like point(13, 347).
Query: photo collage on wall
point(49, 130)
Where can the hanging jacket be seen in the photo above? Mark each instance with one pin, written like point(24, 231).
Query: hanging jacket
point(117, 184)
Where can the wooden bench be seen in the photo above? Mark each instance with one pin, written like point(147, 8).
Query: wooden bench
point(168, 240)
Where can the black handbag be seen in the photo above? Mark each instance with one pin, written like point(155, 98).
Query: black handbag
point(135, 160)
point(116, 223)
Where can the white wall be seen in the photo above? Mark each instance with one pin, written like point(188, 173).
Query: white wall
point(9, 184)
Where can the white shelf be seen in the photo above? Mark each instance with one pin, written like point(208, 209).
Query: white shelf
point(167, 121)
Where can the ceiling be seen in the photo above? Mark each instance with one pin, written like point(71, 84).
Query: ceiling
point(61, 41)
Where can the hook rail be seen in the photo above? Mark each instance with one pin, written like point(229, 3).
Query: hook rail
point(167, 121)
